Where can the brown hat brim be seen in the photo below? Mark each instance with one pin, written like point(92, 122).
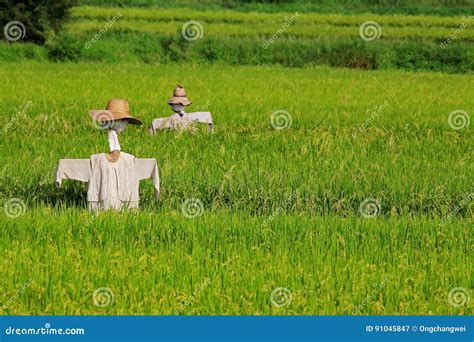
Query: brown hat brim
point(105, 115)
point(182, 100)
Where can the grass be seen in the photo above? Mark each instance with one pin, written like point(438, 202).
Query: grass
point(281, 208)
point(153, 263)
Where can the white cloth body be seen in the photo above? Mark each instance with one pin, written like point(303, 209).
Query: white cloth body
point(184, 121)
point(111, 185)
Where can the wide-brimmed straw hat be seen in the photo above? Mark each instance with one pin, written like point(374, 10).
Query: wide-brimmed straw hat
point(179, 97)
point(117, 109)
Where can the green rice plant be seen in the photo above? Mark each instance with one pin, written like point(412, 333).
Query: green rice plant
point(262, 29)
point(55, 260)
point(179, 15)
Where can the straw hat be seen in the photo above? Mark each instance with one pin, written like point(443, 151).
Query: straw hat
point(179, 97)
point(117, 109)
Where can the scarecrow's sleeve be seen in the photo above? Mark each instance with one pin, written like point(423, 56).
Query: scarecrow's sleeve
point(146, 168)
point(160, 123)
point(77, 169)
point(202, 117)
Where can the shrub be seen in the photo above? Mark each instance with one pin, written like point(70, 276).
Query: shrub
point(64, 47)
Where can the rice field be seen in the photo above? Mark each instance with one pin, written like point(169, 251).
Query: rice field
point(291, 24)
point(336, 19)
point(360, 204)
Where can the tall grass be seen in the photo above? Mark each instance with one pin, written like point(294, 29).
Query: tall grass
point(154, 263)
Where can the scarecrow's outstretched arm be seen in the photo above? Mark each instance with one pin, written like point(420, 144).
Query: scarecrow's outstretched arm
point(146, 168)
point(161, 123)
point(78, 169)
point(202, 117)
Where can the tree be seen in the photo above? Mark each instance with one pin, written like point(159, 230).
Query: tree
point(32, 20)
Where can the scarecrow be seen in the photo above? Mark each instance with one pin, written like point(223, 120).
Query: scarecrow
point(113, 177)
point(181, 120)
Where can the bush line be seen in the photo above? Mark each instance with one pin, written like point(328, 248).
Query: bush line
point(457, 57)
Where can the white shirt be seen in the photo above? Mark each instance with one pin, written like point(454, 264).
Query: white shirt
point(111, 185)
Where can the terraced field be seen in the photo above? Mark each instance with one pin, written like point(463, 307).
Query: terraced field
point(297, 38)
point(218, 23)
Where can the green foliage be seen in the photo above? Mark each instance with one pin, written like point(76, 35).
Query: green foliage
point(39, 18)
point(18, 52)
point(64, 47)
